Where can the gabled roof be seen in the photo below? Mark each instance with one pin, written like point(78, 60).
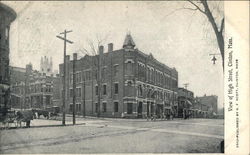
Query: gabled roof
point(128, 42)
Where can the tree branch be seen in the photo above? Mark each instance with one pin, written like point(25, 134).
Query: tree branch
point(198, 8)
point(222, 25)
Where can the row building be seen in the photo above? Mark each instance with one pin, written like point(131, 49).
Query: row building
point(132, 84)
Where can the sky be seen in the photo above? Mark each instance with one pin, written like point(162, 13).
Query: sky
point(179, 38)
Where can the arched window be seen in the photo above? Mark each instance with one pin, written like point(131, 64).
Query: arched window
point(139, 90)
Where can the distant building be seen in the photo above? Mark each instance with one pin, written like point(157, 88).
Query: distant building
point(185, 102)
point(46, 66)
point(133, 84)
point(32, 89)
point(7, 16)
point(210, 101)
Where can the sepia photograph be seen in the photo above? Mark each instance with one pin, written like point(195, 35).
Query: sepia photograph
point(90, 77)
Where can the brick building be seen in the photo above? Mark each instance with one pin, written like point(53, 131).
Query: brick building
point(32, 89)
point(185, 102)
point(210, 102)
point(7, 16)
point(133, 84)
point(196, 107)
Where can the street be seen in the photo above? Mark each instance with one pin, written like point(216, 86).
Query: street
point(92, 135)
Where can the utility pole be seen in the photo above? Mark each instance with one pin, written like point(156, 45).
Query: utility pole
point(64, 69)
point(185, 86)
point(25, 83)
point(100, 52)
point(74, 87)
point(84, 107)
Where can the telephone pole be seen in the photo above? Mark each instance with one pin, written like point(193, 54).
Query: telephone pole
point(74, 87)
point(185, 86)
point(64, 69)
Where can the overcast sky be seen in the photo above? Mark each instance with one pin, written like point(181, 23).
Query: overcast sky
point(177, 37)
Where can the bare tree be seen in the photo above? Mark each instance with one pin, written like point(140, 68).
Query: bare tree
point(203, 7)
point(95, 63)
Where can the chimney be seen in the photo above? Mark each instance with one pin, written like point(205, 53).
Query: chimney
point(100, 50)
point(67, 58)
point(74, 56)
point(110, 47)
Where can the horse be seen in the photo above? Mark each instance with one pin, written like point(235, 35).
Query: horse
point(24, 116)
point(40, 112)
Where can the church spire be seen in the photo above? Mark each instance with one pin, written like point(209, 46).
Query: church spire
point(128, 42)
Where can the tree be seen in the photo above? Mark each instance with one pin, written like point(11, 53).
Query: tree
point(203, 7)
point(95, 62)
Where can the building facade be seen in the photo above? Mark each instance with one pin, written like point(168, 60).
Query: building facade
point(211, 102)
point(32, 89)
point(7, 16)
point(132, 84)
point(185, 102)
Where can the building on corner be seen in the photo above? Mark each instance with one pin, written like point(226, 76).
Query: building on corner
point(133, 84)
point(7, 16)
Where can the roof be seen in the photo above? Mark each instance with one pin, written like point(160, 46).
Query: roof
point(18, 69)
point(128, 41)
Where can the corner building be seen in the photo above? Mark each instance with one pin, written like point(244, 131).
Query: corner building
point(133, 84)
point(7, 16)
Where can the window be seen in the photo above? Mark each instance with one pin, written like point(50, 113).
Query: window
point(104, 72)
point(96, 107)
point(83, 76)
point(71, 107)
point(115, 106)
point(104, 89)
point(129, 68)
point(78, 92)
point(78, 107)
point(88, 75)
point(6, 32)
point(71, 93)
point(78, 77)
point(129, 108)
point(96, 90)
point(116, 88)
point(104, 106)
point(95, 74)
point(71, 79)
point(139, 90)
point(116, 70)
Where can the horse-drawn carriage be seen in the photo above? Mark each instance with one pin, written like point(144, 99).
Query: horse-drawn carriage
point(16, 118)
point(50, 112)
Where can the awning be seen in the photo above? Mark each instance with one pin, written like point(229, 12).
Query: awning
point(189, 102)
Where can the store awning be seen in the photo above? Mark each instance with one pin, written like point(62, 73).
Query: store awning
point(189, 102)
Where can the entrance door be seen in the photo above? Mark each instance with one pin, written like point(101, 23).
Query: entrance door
point(139, 110)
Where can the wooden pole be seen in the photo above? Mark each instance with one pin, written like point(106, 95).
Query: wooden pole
point(64, 71)
point(74, 87)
